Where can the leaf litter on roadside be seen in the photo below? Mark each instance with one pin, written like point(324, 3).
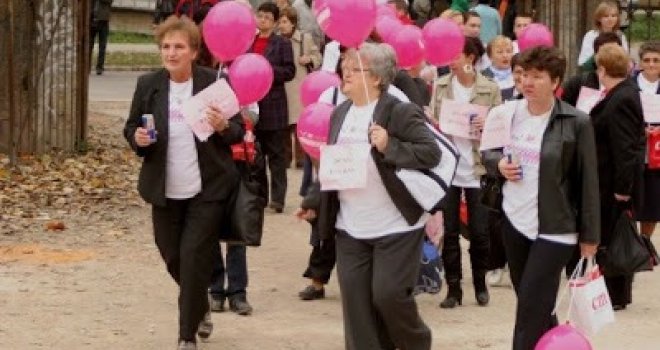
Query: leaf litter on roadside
point(49, 188)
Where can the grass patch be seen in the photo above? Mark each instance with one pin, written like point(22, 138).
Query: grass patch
point(130, 59)
point(130, 38)
point(643, 28)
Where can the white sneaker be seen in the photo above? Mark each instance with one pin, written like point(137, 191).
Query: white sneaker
point(187, 345)
point(495, 277)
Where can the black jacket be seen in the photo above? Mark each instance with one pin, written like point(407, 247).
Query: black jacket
point(217, 169)
point(273, 108)
point(411, 145)
point(568, 180)
point(620, 140)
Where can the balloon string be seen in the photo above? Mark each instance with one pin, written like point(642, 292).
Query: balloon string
point(220, 67)
point(364, 80)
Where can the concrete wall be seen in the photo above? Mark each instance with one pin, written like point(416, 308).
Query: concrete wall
point(131, 20)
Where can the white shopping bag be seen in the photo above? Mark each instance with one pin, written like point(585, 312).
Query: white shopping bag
point(591, 308)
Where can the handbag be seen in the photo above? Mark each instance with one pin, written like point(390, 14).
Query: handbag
point(491, 192)
point(245, 216)
point(429, 186)
point(653, 149)
point(590, 307)
point(626, 253)
point(430, 272)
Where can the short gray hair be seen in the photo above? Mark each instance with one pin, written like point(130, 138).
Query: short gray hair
point(382, 62)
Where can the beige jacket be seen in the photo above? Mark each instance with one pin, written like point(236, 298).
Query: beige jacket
point(485, 93)
point(293, 87)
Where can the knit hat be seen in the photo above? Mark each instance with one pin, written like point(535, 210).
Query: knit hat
point(460, 5)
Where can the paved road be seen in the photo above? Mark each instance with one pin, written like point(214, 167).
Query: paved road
point(112, 86)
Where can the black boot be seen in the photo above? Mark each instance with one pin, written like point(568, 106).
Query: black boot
point(480, 289)
point(454, 295)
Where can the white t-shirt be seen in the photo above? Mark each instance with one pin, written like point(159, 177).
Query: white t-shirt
point(465, 176)
point(183, 179)
point(520, 198)
point(587, 49)
point(367, 212)
point(647, 86)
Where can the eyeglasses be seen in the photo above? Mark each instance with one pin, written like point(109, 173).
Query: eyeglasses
point(649, 60)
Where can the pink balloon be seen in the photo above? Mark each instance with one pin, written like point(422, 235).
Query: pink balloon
point(315, 83)
point(313, 128)
point(387, 27)
point(386, 10)
point(444, 41)
point(536, 34)
point(251, 77)
point(563, 337)
point(348, 21)
point(409, 47)
point(229, 30)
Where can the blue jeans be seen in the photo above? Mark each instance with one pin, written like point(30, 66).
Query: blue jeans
point(235, 268)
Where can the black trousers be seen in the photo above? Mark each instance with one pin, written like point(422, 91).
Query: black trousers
point(185, 235)
point(321, 261)
point(102, 29)
point(497, 254)
point(376, 279)
point(477, 225)
point(234, 266)
point(274, 149)
point(536, 268)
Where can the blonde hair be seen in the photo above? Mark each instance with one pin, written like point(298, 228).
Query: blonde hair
point(497, 41)
point(614, 59)
point(179, 24)
point(601, 11)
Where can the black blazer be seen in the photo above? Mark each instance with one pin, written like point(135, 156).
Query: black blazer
point(273, 108)
point(411, 145)
point(568, 181)
point(217, 169)
point(620, 140)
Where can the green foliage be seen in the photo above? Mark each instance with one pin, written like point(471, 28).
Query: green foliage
point(642, 28)
point(121, 58)
point(130, 38)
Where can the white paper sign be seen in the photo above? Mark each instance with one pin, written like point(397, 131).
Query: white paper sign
point(455, 118)
point(344, 166)
point(587, 99)
point(497, 129)
point(651, 107)
point(218, 95)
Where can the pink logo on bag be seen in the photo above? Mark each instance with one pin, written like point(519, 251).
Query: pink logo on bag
point(600, 301)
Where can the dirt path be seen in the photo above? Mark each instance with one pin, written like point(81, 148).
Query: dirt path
point(100, 284)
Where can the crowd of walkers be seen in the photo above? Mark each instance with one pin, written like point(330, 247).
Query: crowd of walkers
point(565, 176)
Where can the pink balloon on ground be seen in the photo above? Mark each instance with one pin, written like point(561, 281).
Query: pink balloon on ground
point(314, 84)
point(409, 47)
point(251, 77)
point(229, 30)
point(444, 41)
point(313, 128)
point(348, 21)
point(387, 27)
point(536, 34)
point(563, 337)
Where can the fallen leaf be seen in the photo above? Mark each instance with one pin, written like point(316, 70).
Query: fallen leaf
point(55, 226)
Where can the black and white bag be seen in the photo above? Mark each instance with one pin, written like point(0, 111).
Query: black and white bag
point(429, 186)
